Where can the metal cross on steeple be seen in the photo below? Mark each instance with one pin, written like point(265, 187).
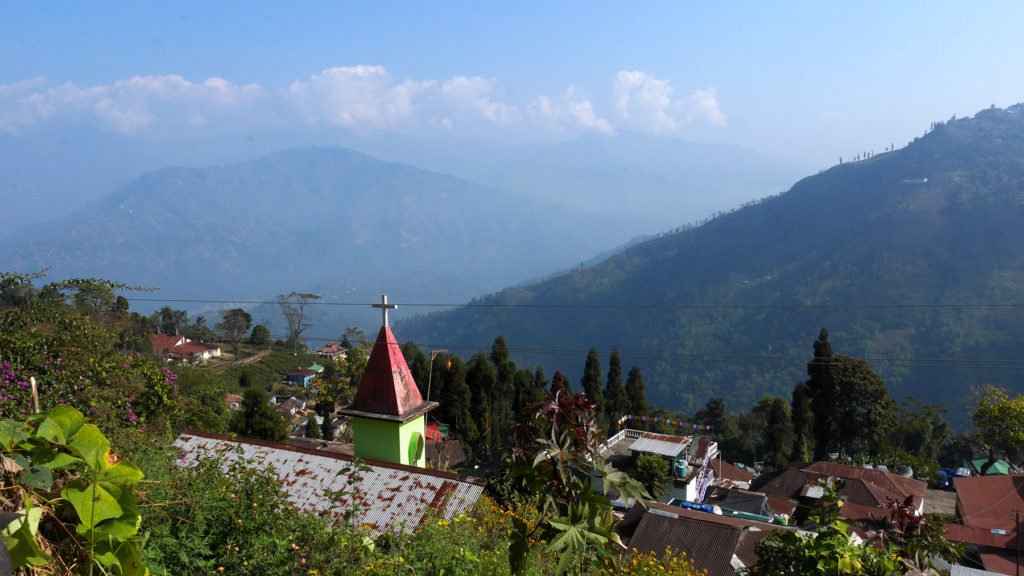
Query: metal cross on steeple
point(384, 306)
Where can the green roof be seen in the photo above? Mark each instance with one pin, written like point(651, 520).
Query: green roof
point(999, 467)
point(316, 368)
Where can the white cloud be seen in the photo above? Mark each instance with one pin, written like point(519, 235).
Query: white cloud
point(647, 102)
point(705, 106)
point(127, 106)
point(477, 95)
point(572, 109)
point(356, 95)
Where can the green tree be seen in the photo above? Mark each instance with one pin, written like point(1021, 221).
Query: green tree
point(199, 331)
point(724, 424)
point(457, 401)
point(592, 380)
point(234, 326)
point(653, 472)
point(312, 428)
point(481, 378)
point(801, 417)
point(777, 433)
point(999, 420)
point(504, 386)
point(258, 419)
point(169, 321)
point(616, 401)
point(353, 364)
point(635, 392)
point(863, 412)
point(822, 388)
point(418, 365)
point(260, 336)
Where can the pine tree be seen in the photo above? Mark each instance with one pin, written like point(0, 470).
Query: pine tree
point(616, 402)
point(258, 419)
point(591, 381)
point(801, 416)
point(822, 390)
point(481, 379)
point(504, 389)
point(312, 428)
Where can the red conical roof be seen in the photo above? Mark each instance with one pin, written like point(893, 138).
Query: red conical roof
point(387, 388)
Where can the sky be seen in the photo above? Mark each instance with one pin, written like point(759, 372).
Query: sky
point(804, 82)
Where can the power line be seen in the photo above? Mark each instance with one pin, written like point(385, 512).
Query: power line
point(953, 305)
point(753, 359)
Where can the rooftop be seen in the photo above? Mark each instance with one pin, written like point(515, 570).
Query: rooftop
point(391, 497)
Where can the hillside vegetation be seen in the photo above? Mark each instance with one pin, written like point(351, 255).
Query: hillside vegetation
point(875, 250)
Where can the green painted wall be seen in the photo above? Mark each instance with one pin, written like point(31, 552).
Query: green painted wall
point(388, 441)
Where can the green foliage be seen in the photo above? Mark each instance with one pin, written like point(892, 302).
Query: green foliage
point(258, 419)
point(313, 429)
point(653, 472)
point(74, 494)
point(260, 336)
point(77, 361)
point(802, 416)
point(999, 420)
point(830, 551)
point(853, 412)
point(234, 326)
point(557, 449)
point(592, 381)
point(616, 401)
point(635, 392)
point(232, 517)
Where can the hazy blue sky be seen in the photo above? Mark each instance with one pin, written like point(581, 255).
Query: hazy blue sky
point(806, 81)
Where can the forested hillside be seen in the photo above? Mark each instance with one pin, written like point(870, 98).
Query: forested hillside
point(913, 259)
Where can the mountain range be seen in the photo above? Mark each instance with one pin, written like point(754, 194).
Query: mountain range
point(298, 219)
point(912, 259)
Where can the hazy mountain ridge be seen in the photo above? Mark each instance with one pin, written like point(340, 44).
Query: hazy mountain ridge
point(860, 234)
point(294, 219)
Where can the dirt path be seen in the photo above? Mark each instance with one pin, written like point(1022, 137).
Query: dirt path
point(940, 501)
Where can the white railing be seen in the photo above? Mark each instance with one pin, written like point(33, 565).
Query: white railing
point(620, 435)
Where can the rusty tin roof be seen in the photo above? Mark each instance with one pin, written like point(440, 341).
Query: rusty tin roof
point(391, 497)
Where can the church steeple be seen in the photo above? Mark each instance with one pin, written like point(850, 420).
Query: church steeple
point(388, 412)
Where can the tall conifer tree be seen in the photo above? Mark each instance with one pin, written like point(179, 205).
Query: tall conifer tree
point(802, 416)
point(592, 380)
point(822, 390)
point(616, 402)
point(635, 393)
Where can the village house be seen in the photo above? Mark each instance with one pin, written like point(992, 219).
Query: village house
point(868, 491)
point(300, 377)
point(332, 352)
point(173, 348)
point(692, 459)
point(988, 522)
point(721, 545)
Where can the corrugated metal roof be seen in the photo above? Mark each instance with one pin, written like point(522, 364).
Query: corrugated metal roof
point(989, 501)
point(958, 570)
point(390, 497)
point(709, 540)
point(660, 444)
